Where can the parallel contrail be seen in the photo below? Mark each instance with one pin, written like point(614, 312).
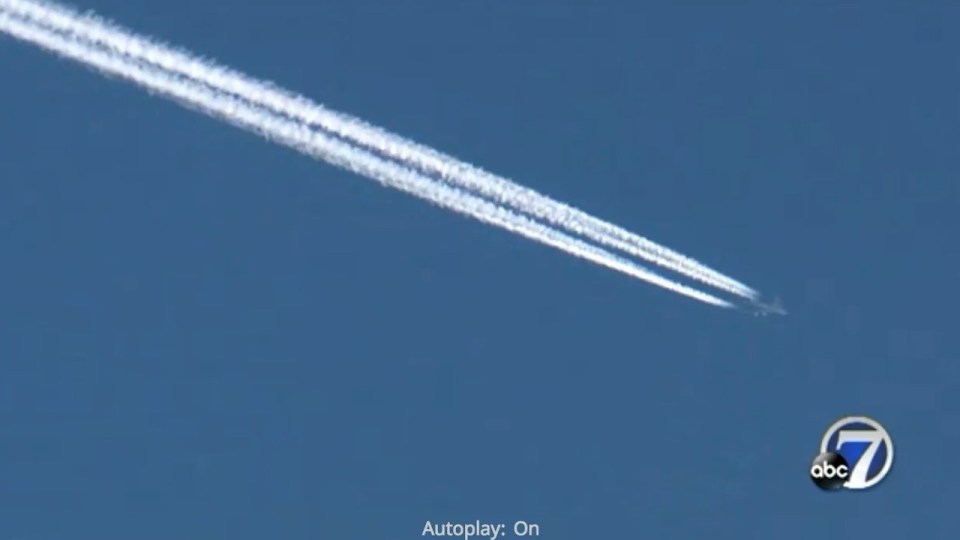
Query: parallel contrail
point(409, 153)
point(313, 143)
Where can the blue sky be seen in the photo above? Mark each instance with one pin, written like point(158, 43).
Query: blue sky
point(203, 335)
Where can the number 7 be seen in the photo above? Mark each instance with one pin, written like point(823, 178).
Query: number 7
point(858, 476)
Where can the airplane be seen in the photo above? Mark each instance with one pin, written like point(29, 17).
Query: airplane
point(773, 308)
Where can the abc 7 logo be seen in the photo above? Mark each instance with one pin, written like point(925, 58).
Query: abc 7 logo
point(856, 453)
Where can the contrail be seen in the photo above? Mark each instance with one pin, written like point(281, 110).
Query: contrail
point(414, 155)
point(315, 144)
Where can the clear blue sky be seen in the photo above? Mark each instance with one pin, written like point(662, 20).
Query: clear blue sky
point(203, 335)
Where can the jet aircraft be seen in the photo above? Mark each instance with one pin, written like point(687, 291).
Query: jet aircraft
point(773, 308)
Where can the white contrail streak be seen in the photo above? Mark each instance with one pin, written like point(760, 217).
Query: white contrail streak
point(410, 153)
point(300, 137)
